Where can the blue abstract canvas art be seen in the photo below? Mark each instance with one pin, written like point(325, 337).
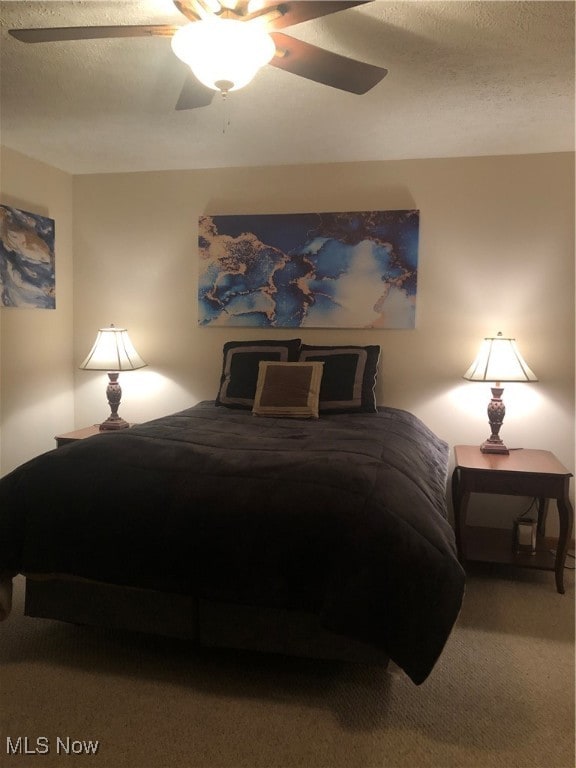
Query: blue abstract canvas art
point(27, 259)
point(310, 270)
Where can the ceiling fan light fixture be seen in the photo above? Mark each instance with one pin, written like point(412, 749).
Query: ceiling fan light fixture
point(255, 5)
point(223, 51)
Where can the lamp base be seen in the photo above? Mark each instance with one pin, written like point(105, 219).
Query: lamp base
point(496, 411)
point(114, 394)
point(493, 446)
point(113, 422)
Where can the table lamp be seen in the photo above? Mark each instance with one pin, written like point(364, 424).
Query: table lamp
point(113, 352)
point(498, 360)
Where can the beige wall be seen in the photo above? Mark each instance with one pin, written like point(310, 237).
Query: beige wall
point(496, 253)
point(36, 370)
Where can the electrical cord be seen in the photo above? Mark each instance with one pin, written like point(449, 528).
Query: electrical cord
point(532, 503)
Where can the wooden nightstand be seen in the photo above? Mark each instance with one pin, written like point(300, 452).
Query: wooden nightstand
point(520, 473)
point(77, 434)
point(80, 434)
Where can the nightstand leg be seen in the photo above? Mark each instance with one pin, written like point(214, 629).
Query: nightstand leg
point(459, 506)
point(566, 514)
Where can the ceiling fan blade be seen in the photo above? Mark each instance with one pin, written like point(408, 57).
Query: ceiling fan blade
point(304, 10)
point(56, 34)
point(325, 67)
point(194, 94)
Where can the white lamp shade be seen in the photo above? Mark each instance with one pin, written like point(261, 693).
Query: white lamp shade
point(224, 54)
point(499, 360)
point(113, 351)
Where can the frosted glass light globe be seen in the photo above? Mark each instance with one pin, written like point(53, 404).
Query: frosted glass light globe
point(224, 54)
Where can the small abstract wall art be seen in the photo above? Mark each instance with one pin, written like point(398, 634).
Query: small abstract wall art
point(27, 260)
point(309, 270)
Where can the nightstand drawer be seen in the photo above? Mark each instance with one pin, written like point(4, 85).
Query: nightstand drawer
point(514, 484)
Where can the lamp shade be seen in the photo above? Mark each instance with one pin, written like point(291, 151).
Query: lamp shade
point(113, 351)
point(224, 54)
point(499, 360)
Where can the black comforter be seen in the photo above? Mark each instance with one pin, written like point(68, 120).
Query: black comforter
point(344, 516)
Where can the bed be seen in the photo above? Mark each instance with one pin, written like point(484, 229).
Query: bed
point(321, 534)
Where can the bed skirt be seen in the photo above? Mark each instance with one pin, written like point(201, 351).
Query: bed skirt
point(205, 622)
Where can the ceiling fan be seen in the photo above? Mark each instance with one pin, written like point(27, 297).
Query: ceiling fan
point(242, 34)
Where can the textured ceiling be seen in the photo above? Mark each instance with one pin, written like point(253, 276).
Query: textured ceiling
point(465, 79)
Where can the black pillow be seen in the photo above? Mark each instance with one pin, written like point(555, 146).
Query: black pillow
point(349, 377)
point(240, 368)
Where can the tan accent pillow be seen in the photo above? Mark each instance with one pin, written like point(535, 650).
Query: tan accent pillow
point(288, 389)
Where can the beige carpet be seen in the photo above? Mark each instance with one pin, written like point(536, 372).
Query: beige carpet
point(502, 695)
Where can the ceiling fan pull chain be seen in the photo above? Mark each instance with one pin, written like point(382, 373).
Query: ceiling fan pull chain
point(225, 111)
